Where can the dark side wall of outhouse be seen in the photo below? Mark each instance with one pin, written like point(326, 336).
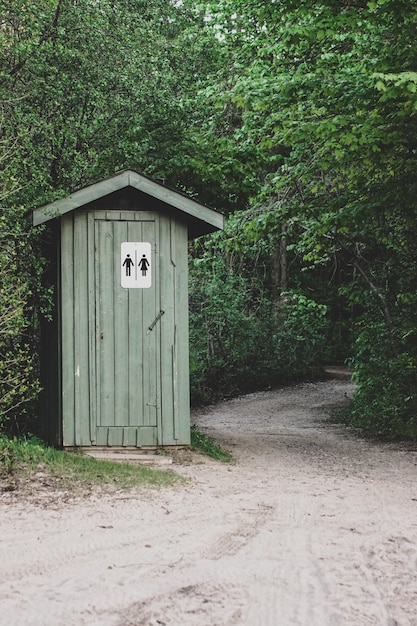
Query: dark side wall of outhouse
point(114, 357)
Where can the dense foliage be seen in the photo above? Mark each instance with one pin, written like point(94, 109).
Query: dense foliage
point(240, 339)
point(322, 99)
point(86, 88)
point(297, 119)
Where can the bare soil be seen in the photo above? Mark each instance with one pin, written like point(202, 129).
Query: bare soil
point(311, 526)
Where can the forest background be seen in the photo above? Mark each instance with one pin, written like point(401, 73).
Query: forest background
point(298, 120)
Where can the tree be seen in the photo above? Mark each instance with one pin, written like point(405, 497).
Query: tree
point(98, 86)
point(86, 88)
point(324, 101)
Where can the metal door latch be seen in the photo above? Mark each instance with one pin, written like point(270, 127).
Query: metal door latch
point(157, 318)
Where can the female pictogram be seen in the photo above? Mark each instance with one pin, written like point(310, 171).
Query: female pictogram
point(143, 265)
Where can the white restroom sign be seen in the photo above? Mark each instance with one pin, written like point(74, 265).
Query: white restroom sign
point(136, 264)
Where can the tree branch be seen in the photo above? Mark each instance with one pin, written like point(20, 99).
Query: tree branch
point(44, 37)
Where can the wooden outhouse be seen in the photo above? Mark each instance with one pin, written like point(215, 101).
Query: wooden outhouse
point(114, 358)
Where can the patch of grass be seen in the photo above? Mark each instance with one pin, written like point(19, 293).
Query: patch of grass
point(26, 456)
point(205, 445)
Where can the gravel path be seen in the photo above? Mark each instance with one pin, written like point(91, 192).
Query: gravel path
point(312, 526)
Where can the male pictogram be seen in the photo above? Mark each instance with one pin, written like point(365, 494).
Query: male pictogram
point(128, 263)
point(143, 265)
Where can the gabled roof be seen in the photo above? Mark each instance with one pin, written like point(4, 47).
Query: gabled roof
point(202, 219)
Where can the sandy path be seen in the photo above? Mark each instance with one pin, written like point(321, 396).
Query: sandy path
point(311, 527)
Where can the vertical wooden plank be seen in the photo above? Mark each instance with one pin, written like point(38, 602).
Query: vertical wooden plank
point(101, 436)
point(181, 375)
point(175, 408)
point(151, 311)
point(92, 325)
point(81, 332)
point(177, 299)
point(67, 321)
point(105, 322)
point(96, 389)
point(138, 438)
point(135, 366)
point(148, 436)
point(167, 281)
point(121, 332)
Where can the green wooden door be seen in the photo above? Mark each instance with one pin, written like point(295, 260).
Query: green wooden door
point(125, 349)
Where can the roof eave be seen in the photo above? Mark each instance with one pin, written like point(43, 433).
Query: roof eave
point(119, 181)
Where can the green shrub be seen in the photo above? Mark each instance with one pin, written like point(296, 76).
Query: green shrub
point(205, 444)
point(17, 453)
point(21, 457)
point(19, 280)
point(239, 342)
point(386, 375)
point(300, 341)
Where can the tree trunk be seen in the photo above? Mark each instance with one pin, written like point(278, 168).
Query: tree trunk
point(279, 268)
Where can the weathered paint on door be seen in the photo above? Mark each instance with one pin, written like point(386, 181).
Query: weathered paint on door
point(124, 351)
point(126, 348)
